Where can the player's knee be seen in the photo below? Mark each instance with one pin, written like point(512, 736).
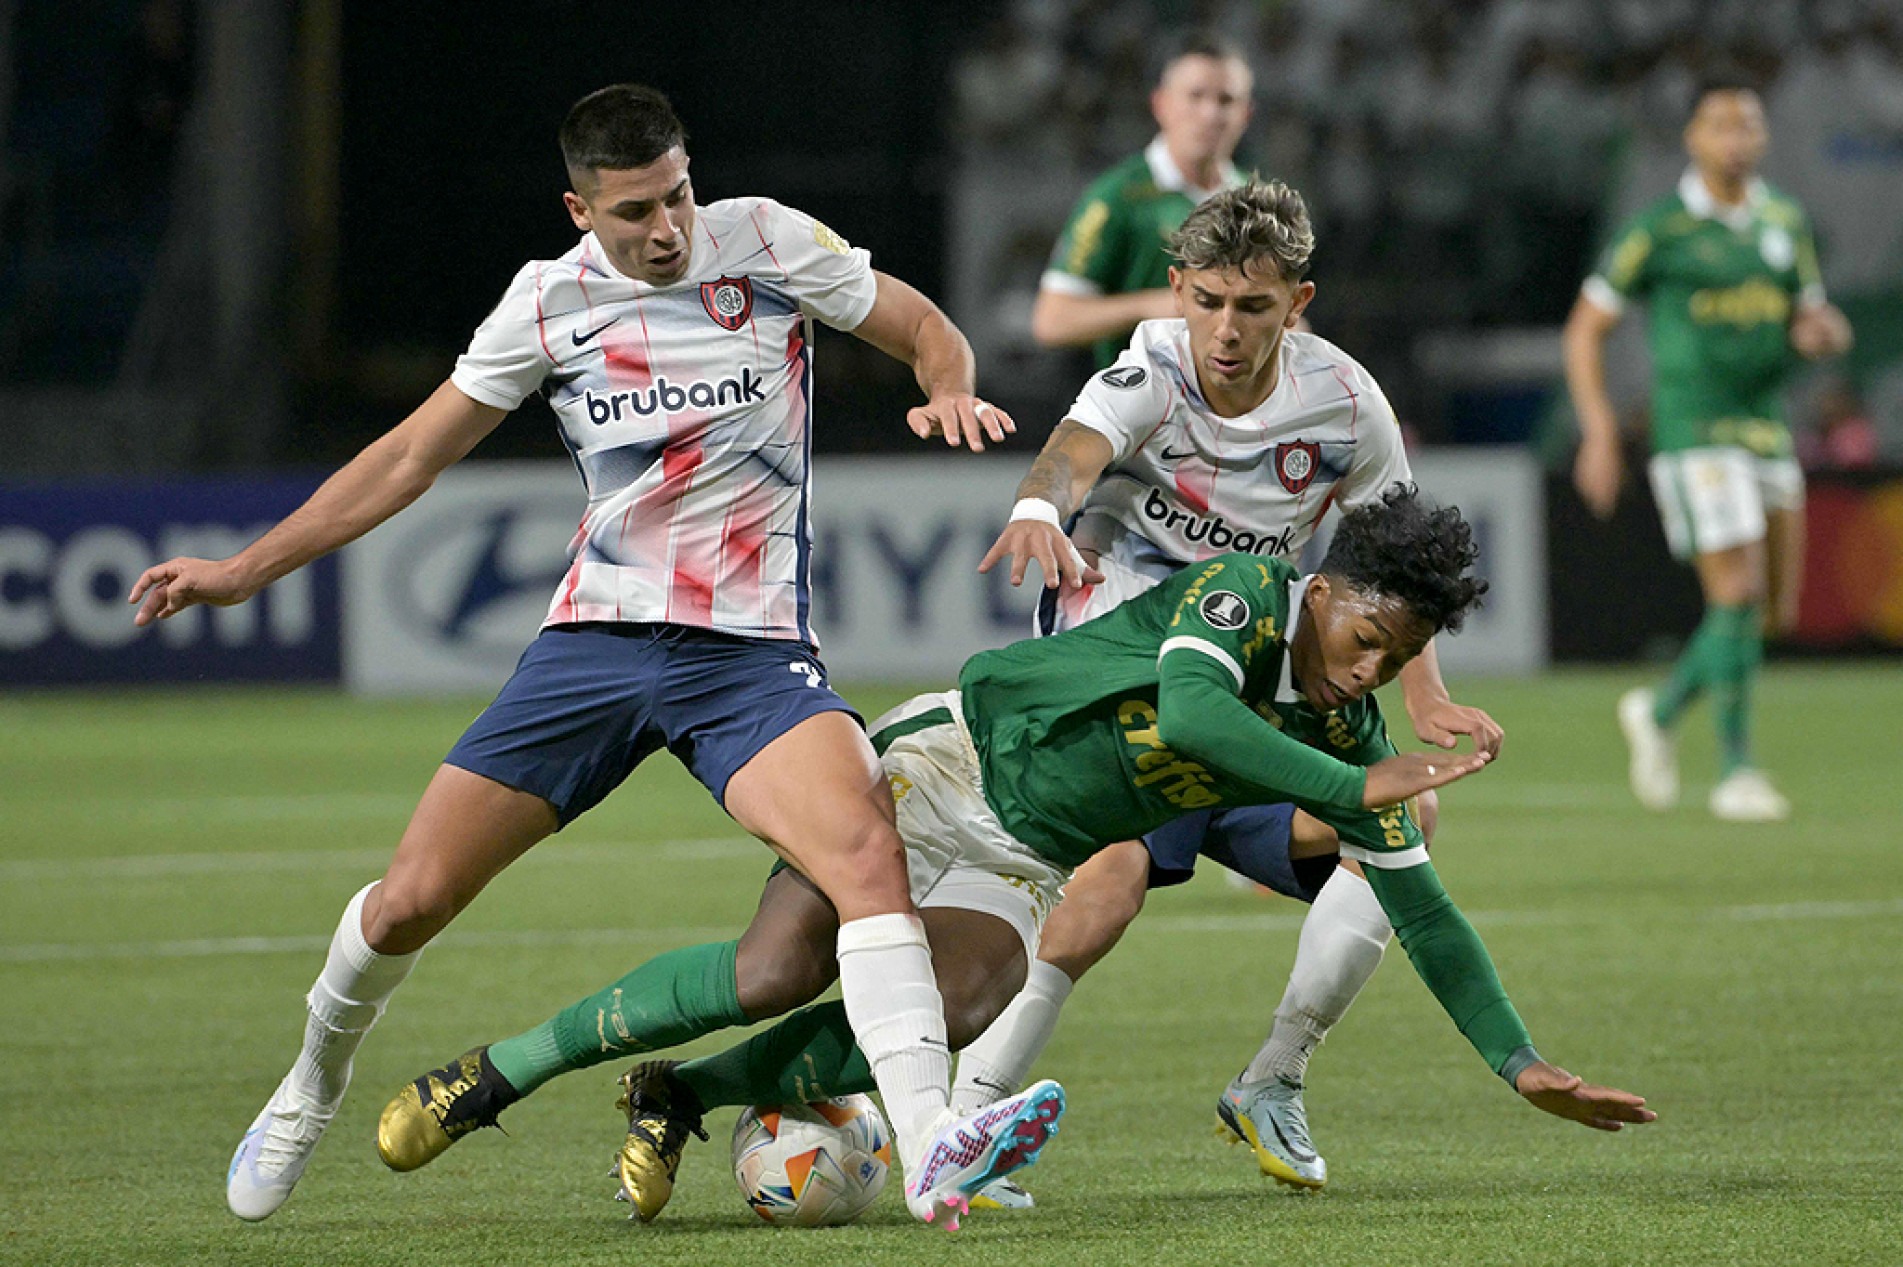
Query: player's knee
point(409, 911)
point(1108, 910)
point(1086, 926)
point(773, 983)
point(860, 870)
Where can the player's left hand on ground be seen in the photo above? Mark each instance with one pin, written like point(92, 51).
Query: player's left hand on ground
point(1552, 1090)
point(961, 419)
point(1444, 722)
point(1820, 331)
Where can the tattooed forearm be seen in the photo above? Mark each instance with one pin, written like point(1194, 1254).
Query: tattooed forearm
point(1052, 476)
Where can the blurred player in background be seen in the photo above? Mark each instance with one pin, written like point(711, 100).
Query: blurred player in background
point(1110, 269)
point(673, 343)
point(1727, 270)
point(1223, 428)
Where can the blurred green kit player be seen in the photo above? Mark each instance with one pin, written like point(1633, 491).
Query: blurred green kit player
point(1727, 270)
point(1110, 268)
point(1234, 682)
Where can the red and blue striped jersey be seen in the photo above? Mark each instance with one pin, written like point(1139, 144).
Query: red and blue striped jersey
point(688, 411)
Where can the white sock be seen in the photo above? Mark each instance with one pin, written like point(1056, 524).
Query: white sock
point(898, 1017)
point(996, 1064)
point(344, 1002)
point(1341, 945)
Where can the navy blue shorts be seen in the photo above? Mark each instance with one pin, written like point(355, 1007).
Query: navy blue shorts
point(1251, 840)
point(588, 703)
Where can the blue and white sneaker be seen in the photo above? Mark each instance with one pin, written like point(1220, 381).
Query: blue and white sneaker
point(273, 1153)
point(1268, 1116)
point(968, 1153)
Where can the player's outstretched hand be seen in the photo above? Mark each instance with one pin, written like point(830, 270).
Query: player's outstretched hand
point(1552, 1090)
point(1025, 539)
point(172, 586)
point(1444, 722)
point(1597, 471)
point(961, 419)
point(1394, 780)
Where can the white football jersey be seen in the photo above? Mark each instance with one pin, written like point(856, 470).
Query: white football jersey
point(687, 409)
point(1192, 484)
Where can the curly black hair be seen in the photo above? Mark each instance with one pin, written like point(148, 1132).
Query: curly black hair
point(1407, 549)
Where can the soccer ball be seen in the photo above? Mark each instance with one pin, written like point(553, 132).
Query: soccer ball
point(812, 1165)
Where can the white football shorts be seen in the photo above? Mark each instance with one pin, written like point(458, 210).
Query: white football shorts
point(1717, 497)
point(956, 851)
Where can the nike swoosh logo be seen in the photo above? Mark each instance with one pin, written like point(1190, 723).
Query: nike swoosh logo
point(1176, 457)
point(1293, 1151)
point(583, 338)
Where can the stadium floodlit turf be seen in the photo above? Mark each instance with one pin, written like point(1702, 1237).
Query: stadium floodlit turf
point(174, 861)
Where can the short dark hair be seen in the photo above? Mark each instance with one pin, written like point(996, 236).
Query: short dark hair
point(1720, 81)
point(618, 127)
point(1404, 548)
point(1196, 44)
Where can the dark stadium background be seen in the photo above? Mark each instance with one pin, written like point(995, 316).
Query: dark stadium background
point(249, 238)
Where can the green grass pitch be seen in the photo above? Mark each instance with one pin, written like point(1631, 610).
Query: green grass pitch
point(174, 861)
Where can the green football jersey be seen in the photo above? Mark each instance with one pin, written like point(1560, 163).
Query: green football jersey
point(1719, 297)
point(1073, 753)
point(1116, 234)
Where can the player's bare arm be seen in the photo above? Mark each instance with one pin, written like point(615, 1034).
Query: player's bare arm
point(1437, 718)
point(908, 327)
point(1599, 468)
point(393, 471)
point(1064, 472)
point(1820, 331)
point(1552, 1090)
point(1063, 320)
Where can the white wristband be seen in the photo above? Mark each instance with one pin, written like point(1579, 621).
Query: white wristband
point(1036, 508)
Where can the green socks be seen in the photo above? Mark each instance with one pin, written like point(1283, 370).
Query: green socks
point(808, 1056)
point(668, 1000)
point(1731, 684)
point(1722, 657)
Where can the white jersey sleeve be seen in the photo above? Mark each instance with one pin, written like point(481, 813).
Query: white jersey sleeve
point(1127, 402)
point(831, 279)
point(1379, 458)
point(508, 358)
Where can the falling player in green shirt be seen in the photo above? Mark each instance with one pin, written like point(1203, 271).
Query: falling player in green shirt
point(1110, 268)
point(1727, 270)
point(1234, 682)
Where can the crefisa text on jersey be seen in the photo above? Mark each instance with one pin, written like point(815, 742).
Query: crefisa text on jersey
point(1214, 529)
point(669, 397)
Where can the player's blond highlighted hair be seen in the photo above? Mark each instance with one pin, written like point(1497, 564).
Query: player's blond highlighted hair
point(1259, 220)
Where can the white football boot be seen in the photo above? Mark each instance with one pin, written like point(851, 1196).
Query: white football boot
point(1746, 796)
point(1268, 1116)
point(1003, 1194)
point(1654, 768)
point(273, 1153)
point(968, 1153)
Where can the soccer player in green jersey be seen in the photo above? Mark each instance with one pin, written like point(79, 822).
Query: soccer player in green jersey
point(1234, 682)
point(1727, 270)
point(1110, 268)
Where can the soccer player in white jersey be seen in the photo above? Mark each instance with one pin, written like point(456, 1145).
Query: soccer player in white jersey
point(674, 344)
point(1226, 429)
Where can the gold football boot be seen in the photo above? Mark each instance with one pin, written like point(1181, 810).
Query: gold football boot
point(662, 1112)
point(441, 1107)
